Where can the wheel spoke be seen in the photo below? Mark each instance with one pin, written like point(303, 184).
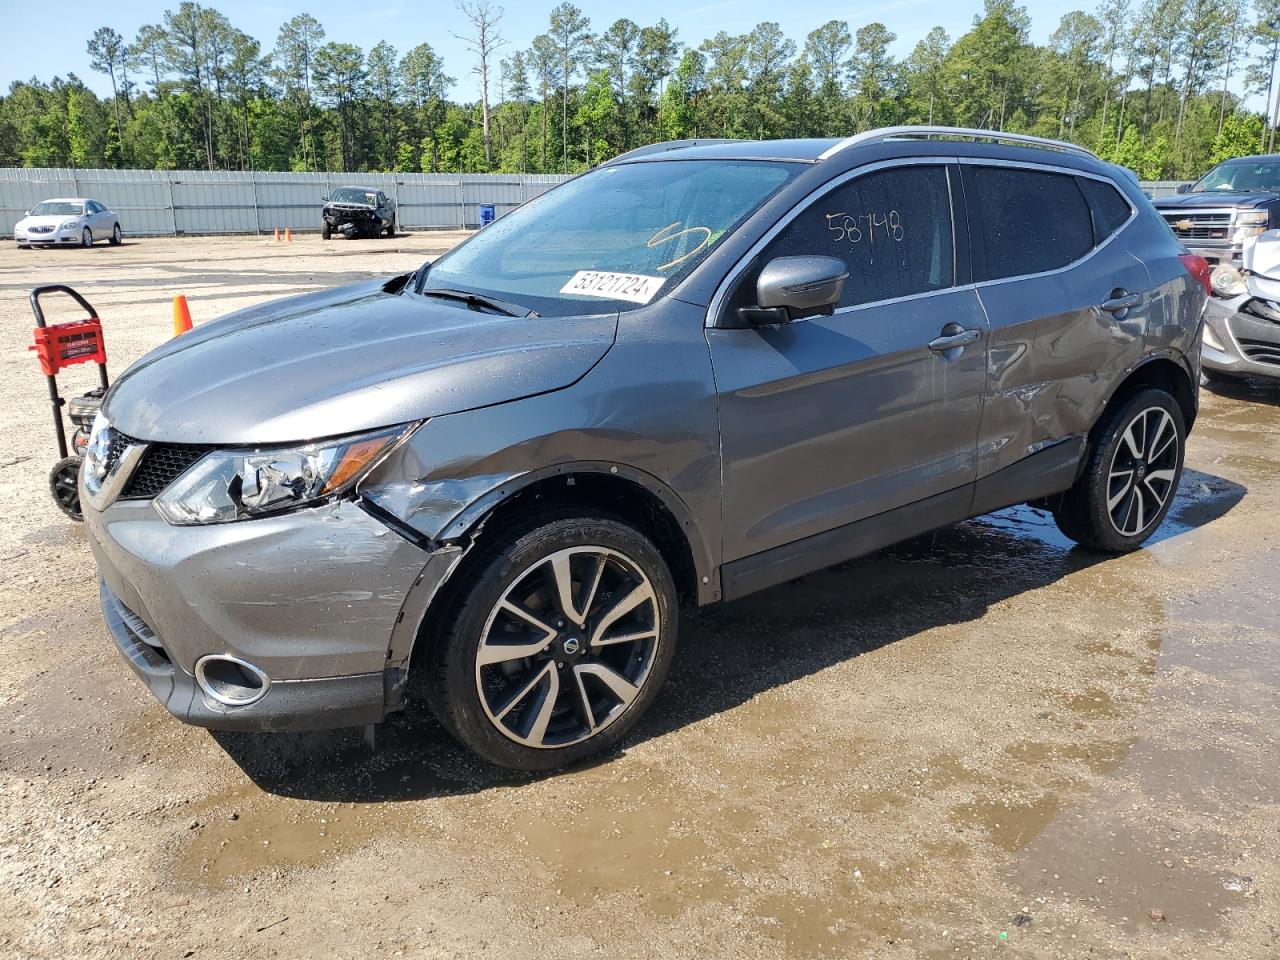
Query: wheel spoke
point(593, 586)
point(1140, 503)
point(1116, 498)
point(627, 638)
point(587, 712)
point(641, 594)
point(621, 687)
point(1165, 476)
point(538, 729)
point(524, 691)
point(491, 653)
point(562, 583)
point(1131, 441)
point(1155, 449)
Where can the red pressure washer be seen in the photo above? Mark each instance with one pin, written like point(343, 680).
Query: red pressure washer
point(62, 345)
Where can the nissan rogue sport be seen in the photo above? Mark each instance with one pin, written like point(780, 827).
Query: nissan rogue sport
point(696, 371)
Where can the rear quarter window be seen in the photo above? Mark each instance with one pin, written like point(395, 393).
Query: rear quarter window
point(1027, 221)
point(1110, 210)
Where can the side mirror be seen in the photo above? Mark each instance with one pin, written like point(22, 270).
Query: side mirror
point(325, 198)
point(1183, 188)
point(791, 288)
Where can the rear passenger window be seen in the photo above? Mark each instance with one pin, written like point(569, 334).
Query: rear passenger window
point(1110, 210)
point(1031, 221)
point(892, 228)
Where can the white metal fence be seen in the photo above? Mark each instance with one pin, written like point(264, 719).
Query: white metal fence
point(1162, 188)
point(177, 202)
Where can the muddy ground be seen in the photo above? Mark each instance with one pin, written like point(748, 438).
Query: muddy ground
point(980, 743)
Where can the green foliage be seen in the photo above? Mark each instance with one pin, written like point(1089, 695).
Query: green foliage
point(1154, 85)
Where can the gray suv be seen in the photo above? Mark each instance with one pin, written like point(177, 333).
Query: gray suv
point(699, 370)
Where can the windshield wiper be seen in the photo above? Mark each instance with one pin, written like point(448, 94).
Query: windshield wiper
point(480, 300)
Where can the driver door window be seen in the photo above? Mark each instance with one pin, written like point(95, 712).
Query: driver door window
point(893, 228)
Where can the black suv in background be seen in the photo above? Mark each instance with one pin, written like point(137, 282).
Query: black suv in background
point(1234, 201)
point(358, 212)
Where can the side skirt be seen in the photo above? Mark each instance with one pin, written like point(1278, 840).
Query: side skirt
point(1042, 474)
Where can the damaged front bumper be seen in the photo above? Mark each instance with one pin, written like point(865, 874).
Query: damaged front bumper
point(352, 221)
point(1242, 337)
point(325, 602)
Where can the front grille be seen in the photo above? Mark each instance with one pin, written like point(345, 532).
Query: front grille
point(1260, 350)
point(1203, 225)
point(40, 229)
point(162, 464)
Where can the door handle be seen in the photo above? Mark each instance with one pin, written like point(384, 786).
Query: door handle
point(1120, 301)
point(953, 340)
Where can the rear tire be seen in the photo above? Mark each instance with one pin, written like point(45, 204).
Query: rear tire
point(116, 237)
point(587, 677)
point(1130, 477)
point(64, 485)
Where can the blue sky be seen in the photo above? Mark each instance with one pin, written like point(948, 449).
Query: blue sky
point(42, 40)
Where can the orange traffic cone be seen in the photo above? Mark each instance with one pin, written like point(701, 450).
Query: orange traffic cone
point(277, 233)
point(181, 315)
point(288, 234)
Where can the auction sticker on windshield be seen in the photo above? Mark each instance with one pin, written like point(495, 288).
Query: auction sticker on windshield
point(633, 287)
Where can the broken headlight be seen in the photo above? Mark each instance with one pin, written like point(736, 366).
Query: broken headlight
point(235, 484)
point(1227, 281)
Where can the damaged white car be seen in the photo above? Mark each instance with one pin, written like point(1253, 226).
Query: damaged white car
point(1242, 319)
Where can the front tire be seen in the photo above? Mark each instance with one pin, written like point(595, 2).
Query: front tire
point(556, 642)
point(86, 237)
point(326, 232)
point(1130, 476)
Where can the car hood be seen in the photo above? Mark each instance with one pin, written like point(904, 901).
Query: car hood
point(344, 360)
point(29, 222)
point(1184, 201)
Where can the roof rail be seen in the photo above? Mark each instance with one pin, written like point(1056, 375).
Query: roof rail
point(666, 146)
point(955, 133)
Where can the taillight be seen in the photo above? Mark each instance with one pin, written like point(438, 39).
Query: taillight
point(1198, 267)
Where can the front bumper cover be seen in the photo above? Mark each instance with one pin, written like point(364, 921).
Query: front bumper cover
point(1233, 329)
point(323, 703)
point(325, 601)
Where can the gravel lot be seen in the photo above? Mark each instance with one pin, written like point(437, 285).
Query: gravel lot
point(978, 743)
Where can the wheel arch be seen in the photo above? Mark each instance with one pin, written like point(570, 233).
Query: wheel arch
point(1166, 370)
point(631, 494)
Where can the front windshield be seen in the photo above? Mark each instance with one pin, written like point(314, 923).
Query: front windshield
point(612, 239)
point(57, 208)
point(354, 195)
point(1241, 176)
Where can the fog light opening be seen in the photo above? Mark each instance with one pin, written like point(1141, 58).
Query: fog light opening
point(230, 680)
